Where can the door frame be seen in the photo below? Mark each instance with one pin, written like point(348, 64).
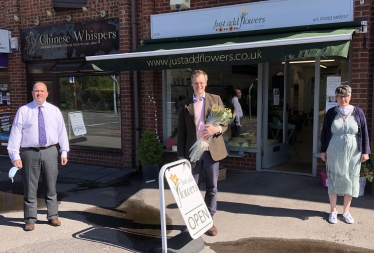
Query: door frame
point(263, 88)
point(317, 87)
point(277, 153)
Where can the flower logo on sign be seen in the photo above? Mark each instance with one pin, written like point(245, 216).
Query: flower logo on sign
point(244, 11)
point(176, 181)
point(30, 47)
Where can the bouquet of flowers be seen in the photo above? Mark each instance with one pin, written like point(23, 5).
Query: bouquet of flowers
point(219, 115)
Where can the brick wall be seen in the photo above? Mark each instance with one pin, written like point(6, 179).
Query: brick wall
point(370, 45)
point(362, 70)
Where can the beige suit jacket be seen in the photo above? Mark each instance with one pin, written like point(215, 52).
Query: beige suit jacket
point(187, 128)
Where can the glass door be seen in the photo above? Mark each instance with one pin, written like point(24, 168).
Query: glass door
point(276, 130)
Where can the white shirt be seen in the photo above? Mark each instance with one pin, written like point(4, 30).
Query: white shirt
point(238, 109)
point(25, 129)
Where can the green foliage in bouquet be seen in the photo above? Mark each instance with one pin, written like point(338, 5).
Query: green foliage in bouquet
point(150, 149)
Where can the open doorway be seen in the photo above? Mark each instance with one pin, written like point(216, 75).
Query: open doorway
point(289, 107)
point(294, 105)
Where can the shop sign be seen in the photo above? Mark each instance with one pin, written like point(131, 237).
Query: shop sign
point(225, 58)
point(71, 40)
point(189, 200)
point(4, 41)
point(251, 16)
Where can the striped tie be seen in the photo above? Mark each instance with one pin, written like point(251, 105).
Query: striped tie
point(42, 135)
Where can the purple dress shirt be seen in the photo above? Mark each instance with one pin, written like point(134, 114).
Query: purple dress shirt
point(25, 130)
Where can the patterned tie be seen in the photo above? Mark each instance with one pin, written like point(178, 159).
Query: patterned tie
point(42, 135)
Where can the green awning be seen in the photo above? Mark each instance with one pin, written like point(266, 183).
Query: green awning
point(230, 51)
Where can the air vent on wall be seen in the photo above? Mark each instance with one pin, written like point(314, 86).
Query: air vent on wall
point(176, 5)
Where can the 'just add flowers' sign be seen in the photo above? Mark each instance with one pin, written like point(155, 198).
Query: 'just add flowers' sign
point(189, 200)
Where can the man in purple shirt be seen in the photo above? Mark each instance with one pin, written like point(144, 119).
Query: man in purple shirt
point(37, 128)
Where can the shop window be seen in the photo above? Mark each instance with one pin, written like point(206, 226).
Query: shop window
point(222, 81)
point(94, 102)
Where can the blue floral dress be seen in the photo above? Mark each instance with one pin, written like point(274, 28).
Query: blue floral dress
point(343, 157)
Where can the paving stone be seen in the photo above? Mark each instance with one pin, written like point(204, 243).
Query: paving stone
point(113, 176)
point(75, 167)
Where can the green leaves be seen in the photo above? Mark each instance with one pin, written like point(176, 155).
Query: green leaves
point(150, 149)
point(367, 168)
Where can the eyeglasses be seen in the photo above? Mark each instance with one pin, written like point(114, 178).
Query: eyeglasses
point(341, 97)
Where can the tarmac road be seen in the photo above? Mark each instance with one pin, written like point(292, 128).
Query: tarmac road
point(257, 212)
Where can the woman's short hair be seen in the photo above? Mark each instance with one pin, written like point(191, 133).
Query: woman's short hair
point(344, 90)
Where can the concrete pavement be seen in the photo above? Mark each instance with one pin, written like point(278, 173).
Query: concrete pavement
point(111, 210)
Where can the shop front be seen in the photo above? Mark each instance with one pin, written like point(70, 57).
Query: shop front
point(284, 63)
point(88, 99)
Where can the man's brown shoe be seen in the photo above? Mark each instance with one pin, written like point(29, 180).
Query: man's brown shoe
point(212, 231)
point(55, 222)
point(30, 226)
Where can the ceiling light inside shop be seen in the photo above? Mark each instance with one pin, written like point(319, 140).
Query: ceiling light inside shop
point(311, 61)
point(323, 66)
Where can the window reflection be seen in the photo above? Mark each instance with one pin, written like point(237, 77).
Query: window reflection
point(222, 81)
point(97, 99)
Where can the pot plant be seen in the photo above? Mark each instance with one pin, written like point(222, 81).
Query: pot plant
point(150, 152)
point(366, 172)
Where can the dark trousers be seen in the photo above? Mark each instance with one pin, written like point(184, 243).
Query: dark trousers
point(235, 130)
point(211, 170)
point(36, 162)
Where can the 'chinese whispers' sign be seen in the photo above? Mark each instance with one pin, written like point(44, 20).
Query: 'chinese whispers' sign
point(189, 200)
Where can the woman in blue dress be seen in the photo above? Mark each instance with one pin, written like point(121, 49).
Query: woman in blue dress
point(344, 146)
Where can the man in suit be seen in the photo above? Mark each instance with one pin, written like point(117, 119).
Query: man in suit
point(193, 113)
point(37, 128)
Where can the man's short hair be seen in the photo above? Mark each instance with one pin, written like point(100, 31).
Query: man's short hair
point(199, 72)
point(343, 90)
point(237, 92)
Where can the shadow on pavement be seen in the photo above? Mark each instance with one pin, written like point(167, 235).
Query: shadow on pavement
point(240, 208)
point(11, 222)
point(275, 245)
point(108, 236)
point(113, 228)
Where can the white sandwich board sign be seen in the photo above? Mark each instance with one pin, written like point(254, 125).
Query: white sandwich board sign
point(77, 124)
point(189, 200)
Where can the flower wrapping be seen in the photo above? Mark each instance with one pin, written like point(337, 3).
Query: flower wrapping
point(219, 115)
